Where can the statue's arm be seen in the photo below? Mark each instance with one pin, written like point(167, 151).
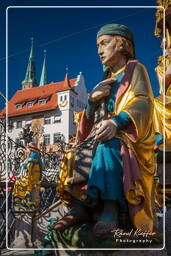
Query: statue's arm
point(121, 120)
point(100, 91)
point(90, 109)
point(30, 168)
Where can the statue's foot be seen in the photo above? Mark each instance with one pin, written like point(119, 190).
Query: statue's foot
point(104, 227)
point(73, 217)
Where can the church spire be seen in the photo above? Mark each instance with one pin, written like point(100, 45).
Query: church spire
point(30, 77)
point(66, 80)
point(43, 78)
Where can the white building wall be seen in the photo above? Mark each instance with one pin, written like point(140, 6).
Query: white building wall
point(80, 88)
point(70, 101)
point(14, 132)
point(79, 102)
point(64, 105)
point(61, 127)
point(76, 102)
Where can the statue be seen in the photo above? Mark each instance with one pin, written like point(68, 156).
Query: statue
point(114, 161)
point(28, 187)
point(162, 103)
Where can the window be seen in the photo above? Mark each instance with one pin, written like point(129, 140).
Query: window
point(28, 121)
point(10, 125)
point(19, 142)
point(72, 101)
point(18, 106)
point(19, 124)
point(42, 102)
point(47, 120)
point(57, 137)
point(47, 139)
point(57, 118)
point(80, 104)
point(61, 98)
point(65, 97)
point(30, 104)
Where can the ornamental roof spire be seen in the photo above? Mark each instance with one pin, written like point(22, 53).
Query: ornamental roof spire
point(66, 80)
point(43, 78)
point(30, 76)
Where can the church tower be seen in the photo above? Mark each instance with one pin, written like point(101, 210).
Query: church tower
point(43, 78)
point(30, 77)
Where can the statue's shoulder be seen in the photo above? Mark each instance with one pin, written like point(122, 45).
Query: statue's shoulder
point(140, 80)
point(140, 72)
point(34, 156)
point(139, 67)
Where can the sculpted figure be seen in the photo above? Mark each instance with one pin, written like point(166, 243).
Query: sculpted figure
point(29, 186)
point(114, 161)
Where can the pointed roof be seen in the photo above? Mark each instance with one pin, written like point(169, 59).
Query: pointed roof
point(31, 50)
point(43, 78)
point(67, 82)
point(30, 76)
point(48, 92)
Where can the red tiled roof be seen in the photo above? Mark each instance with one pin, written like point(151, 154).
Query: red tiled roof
point(48, 91)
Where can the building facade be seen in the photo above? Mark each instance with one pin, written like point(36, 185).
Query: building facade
point(48, 107)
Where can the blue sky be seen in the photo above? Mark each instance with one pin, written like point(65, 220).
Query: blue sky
point(69, 37)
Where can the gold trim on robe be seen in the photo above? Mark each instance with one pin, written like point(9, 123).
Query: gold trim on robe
point(162, 110)
point(138, 102)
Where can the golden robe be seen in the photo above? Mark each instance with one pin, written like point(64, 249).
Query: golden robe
point(136, 99)
point(24, 186)
point(162, 119)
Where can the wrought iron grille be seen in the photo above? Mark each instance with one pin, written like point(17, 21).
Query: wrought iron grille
point(15, 156)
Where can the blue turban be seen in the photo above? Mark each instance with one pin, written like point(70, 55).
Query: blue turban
point(116, 29)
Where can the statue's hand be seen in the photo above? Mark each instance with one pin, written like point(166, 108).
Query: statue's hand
point(101, 90)
point(106, 130)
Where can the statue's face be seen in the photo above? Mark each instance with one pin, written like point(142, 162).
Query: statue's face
point(108, 50)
